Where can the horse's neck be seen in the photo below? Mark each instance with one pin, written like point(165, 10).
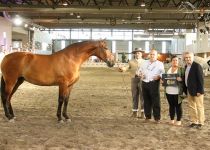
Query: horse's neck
point(81, 54)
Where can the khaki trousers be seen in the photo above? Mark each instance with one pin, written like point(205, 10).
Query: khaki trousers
point(196, 109)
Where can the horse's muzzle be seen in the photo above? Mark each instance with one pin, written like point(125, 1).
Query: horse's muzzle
point(110, 63)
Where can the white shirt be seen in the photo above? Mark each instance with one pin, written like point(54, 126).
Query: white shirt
point(187, 73)
point(151, 70)
point(174, 90)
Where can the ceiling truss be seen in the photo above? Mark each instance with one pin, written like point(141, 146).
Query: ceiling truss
point(108, 13)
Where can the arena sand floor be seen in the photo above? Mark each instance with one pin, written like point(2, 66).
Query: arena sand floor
point(100, 108)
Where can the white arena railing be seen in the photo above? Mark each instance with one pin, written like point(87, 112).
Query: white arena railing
point(101, 64)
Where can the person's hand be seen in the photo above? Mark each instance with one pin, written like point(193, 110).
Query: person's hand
point(161, 81)
point(179, 79)
point(198, 94)
point(138, 74)
point(156, 77)
point(121, 69)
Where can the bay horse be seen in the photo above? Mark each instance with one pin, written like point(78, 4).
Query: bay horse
point(58, 69)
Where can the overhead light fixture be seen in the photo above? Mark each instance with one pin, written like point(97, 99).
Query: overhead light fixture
point(113, 21)
point(78, 16)
point(176, 33)
point(142, 3)
point(26, 25)
point(18, 21)
point(65, 4)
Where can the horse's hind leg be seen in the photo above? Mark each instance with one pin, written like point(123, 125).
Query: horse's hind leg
point(7, 90)
point(5, 96)
point(18, 83)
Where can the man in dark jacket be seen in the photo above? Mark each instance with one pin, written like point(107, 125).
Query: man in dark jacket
point(194, 82)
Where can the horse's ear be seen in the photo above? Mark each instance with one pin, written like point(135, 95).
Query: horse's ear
point(102, 43)
point(104, 40)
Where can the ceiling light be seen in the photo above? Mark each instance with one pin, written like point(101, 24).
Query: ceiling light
point(18, 21)
point(26, 25)
point(175, 33)
point(142, 4)
point(65, 4)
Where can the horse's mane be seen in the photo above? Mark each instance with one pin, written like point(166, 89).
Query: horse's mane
point(81, 43)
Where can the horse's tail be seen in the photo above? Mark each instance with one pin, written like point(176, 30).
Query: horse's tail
point(2, 90)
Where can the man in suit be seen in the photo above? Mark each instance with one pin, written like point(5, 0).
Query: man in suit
point(194, 82)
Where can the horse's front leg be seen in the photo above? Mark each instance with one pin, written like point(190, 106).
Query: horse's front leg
point(60, 103)
point(63, 97)
point(66, 100)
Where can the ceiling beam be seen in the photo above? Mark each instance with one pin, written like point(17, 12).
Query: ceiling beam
point(101, 10)
point(120, 26)
point(101, 21)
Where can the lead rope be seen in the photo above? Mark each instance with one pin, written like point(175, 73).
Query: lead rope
point(126, 94)
point(124, 84)
point(126, 88)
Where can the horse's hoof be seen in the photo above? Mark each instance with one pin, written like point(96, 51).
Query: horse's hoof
point(12, 120)
point(61, 121)
point(68, 120)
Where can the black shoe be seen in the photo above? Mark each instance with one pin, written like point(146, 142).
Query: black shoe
point(193, 125)
point(199, 126)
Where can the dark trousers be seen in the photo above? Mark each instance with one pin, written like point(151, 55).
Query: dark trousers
point(137, 93)
point(151, 95)
point(174, 107)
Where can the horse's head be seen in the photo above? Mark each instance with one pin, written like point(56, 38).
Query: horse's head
point(105, 54)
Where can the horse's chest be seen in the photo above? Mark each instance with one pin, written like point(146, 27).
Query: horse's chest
point(69, 78)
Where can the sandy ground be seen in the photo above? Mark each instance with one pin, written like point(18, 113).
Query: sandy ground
point(100, 108)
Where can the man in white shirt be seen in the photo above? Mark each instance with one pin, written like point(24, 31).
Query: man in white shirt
point(151, 71)
point(135, 82)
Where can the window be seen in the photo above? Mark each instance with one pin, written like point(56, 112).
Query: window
point(83, 34)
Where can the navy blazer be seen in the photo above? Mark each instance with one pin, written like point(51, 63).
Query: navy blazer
point(195, 81)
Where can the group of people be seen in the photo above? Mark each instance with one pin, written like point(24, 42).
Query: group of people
point(146, 76)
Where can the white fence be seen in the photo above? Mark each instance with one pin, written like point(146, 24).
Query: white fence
point(100, 64)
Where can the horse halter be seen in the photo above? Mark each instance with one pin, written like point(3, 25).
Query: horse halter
point(102, 49)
